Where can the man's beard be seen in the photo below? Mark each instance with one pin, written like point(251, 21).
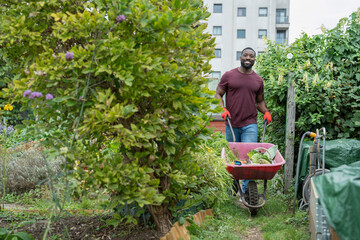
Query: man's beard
point(246, 66)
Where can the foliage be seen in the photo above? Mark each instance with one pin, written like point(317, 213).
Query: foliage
point(26, 167)
point(13, 116)
point(123, 72)
point(7, 234)
point(326, 73)
point(208, 178)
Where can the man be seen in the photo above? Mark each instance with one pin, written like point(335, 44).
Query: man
point(244, 96)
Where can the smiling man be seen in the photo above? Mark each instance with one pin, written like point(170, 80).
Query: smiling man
point(244, 90)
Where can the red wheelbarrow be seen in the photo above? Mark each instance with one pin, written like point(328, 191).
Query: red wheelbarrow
point(252, 172)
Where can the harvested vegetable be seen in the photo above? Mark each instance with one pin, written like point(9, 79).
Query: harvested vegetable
point(257, 157)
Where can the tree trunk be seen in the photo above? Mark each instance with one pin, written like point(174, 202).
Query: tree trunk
point(161, 216)
point(161, 213)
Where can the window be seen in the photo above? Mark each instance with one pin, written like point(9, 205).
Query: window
point(217, 30)
point(241, 33)
point(217, 52)
point(263, 12)
point(241, 12)
point(217, 8)
point(280, 36)
point(238, 55)
point(216, 74)
point(281, 16)
point(262, 32)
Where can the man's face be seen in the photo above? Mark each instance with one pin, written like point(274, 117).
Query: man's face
point(247, 59)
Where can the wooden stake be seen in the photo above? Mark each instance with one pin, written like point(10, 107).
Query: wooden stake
point(290, 134)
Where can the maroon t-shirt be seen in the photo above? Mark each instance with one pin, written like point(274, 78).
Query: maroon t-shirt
point(241, 91)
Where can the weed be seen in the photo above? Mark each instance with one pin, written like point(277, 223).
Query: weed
point(9, 234)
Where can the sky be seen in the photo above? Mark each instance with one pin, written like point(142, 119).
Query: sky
point(308, 15)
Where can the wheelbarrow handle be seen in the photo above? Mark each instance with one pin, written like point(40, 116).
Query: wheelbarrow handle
point(263, 134)
point(232, 131)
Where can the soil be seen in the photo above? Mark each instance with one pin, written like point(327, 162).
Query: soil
point(86, 227)
point(76, 227)
point(92, 227)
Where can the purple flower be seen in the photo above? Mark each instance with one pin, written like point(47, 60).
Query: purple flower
point(69, 56)
point(27, 93)
point(35, 95)
point(120, 18)
point(49, 96)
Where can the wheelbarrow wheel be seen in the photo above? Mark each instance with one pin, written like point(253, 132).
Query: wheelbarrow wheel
point(253, 197)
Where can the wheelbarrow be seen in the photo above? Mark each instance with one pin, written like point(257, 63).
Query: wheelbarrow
point(253, 200)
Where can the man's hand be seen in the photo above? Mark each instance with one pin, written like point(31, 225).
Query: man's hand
point(225, 114)
point(267, 116)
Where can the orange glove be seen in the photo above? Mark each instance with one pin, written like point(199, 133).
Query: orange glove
point(225, 114)
point(267, 116)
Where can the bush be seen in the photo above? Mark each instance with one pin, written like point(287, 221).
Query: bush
point(208, 178)
point(26, 167)
point(131, 72)
point(326, 75)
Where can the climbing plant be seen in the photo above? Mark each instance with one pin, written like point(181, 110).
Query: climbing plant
point(325, 69)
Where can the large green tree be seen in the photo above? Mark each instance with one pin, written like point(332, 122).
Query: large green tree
point(123, 73)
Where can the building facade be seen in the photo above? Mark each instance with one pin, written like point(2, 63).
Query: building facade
point(237, 24)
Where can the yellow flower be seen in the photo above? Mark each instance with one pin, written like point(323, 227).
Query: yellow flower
point(8, 107)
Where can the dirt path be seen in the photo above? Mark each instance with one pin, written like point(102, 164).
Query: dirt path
point(253, 233)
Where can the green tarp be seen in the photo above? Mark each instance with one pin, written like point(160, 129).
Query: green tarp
point(337, 152)
point(339, 196)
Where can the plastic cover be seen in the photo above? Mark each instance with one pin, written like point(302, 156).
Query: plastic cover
point(339, 196)
point(337, 152)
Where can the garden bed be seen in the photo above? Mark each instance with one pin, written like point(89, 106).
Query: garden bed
point(77, 227)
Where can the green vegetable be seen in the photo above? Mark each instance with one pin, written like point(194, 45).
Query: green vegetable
point(252, 152)
point(263, 161)
point(257, 156)
point(271, 152)
point(262, 158)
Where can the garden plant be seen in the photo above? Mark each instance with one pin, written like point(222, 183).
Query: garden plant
point(326, 73)
point(110, 99)
point(124, 80)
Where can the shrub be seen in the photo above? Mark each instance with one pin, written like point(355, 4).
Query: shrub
point(131, 72)
point(326, 73)
point(26, 167)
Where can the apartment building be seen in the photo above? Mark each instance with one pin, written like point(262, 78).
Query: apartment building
point(237, 24)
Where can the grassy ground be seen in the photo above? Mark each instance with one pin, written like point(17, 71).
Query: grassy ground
point(275, 220)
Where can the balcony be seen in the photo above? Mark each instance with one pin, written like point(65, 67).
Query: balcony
point(282, 22)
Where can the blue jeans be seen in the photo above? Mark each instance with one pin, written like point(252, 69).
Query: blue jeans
point(248, 133)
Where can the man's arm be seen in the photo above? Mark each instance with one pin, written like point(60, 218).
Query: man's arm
point(260, 103)
point(219, 95)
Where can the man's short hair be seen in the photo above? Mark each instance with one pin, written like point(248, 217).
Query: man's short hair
point(248, 48)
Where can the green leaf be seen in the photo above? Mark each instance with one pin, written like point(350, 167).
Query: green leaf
point(20, 236)
point(182, 220)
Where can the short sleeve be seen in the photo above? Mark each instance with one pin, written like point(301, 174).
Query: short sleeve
point(223, 84)
point(261, 88)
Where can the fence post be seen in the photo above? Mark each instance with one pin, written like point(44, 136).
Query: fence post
point(290, 134)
